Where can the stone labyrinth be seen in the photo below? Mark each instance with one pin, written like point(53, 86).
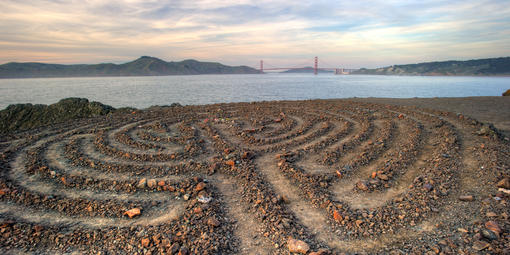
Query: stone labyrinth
point(328, 176)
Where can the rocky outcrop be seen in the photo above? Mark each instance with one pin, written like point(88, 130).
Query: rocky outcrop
point(17, 117)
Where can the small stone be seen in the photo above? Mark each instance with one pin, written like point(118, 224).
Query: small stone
point(480, 245)
point(362, 186)
point(161, 183)
point(141, 184)
point(151, 183)
point(427, 186)
point(359, 222)
point(504, 183)
point(466, 198)
point(297, 246)
point(383, 177)
point(489, 234)
point(491, 214)
point(146, 242)
point(337, 216)
point(230, 163)
point(186, 197)
point(493, 226)
point(200, 186)
point(401, 116)
point(212, 221)
point(133, 212)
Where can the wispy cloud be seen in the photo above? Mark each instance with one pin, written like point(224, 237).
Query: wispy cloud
point(347, 33)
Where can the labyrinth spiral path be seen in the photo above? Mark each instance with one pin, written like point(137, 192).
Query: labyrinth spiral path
point(256, 178)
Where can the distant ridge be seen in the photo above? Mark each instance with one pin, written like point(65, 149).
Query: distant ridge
point(477, 67)
point(306, 69)
point(143, 66)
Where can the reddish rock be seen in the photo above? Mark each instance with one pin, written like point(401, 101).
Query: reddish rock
point(339, 174)
point(146, 242)
point(401, 116)
point(133, 212)
point(161, 183)
point(142, 183)
point(466, 198)
point(493, 226)
point(151, 183)
point(230, 163)
point(200, 186)
point(337, 216)
point(374, 174)
point(297, 246)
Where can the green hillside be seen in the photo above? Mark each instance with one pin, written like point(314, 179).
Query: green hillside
point(478, 67)
point(144, 66)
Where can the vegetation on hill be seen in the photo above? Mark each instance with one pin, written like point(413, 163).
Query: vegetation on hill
point(143, 66)
point(26, 116)
point(482, 67)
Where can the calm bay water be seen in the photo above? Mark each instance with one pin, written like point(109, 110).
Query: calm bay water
point(142, 92)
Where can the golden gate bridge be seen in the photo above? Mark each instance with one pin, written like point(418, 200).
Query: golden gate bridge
point(315, 68)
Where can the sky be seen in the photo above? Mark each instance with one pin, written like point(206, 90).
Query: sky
point(349, 34)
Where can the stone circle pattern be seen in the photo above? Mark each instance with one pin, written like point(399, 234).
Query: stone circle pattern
point(255, 178)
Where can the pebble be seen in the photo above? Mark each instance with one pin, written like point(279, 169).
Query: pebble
point(186, 197)
point(133, 212)
point(489, 234)
point(151, 183)
point(466, 198)
point(493, 226)
point(362, 186)
point(200, 186)
point(297, 246)
point(145, 242)
point(337, 216)
point(480, 245)
point(141, 184)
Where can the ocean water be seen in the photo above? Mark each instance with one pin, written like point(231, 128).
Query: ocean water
point(142, 92)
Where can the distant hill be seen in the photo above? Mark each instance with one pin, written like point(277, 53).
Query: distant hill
point(306, 69)
point(478, 67)
point(144, 66)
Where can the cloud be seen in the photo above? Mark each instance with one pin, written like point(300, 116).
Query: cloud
point(347, 33)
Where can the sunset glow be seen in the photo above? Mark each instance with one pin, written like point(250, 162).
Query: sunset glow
point(341, 33)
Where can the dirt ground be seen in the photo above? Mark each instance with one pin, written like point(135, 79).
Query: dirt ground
point(350, 176)
point(495, 110)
